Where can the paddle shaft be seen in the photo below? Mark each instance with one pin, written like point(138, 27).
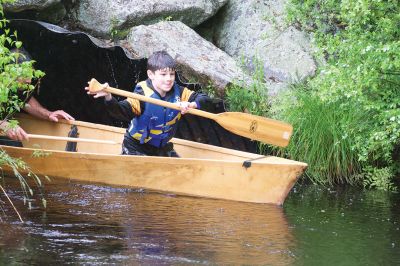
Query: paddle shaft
point(247, 125)
point(159, 102)
point(35, 136)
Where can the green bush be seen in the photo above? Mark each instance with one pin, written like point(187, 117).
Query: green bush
point(11, 73)
point(360, 41)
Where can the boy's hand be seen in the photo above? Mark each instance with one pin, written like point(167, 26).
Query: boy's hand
point(100, 93)
point(185, 106)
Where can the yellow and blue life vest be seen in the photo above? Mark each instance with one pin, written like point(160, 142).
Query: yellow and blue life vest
point(157, 124)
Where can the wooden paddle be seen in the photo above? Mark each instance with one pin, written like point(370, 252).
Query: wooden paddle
point(243, 124)
point(35, 136)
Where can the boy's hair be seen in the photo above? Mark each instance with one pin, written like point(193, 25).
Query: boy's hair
point(24, 56)
point(160, 60)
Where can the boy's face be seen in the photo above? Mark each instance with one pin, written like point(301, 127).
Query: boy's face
point(162, 80)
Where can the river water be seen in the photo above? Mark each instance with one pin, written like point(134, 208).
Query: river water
point(90, 224)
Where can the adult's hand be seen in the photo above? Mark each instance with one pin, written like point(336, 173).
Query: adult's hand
point(17, 133)
point(54, 116)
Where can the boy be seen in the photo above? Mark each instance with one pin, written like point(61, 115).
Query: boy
point(152, 126)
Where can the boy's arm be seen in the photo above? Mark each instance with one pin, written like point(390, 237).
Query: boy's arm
point(202, 100)
point(120, 110)
point(125, 110)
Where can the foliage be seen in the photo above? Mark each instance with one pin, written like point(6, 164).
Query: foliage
point(168, 18)
point(13, 74)
point(379, 178)
point(361, 42)
point(211, 90)
point(251, 97)
point(321, 137)
point(116, 32)
point(321, 18)
point(40, 153)
point(18, 166)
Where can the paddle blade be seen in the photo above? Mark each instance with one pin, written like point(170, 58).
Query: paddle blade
point(94, 85)
point(256, 127)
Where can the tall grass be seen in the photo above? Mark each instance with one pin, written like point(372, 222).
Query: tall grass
point(325, 130)
point(324, 134)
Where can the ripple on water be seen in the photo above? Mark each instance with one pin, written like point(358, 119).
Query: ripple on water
point(89, 224)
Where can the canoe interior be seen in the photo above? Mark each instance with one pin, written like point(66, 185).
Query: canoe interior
point(186, 149)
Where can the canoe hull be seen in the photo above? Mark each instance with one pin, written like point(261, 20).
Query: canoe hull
point(267, 180)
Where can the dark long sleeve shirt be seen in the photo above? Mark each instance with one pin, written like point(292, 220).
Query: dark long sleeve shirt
point(127, 109)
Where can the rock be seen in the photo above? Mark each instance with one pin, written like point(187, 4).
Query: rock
point(47, 10)
point(199, 60)
point(21, 5)
point(257, 30)
point(107, 18)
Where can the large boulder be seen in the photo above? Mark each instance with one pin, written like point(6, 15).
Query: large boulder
point(109, 17)
point(257, 30)
point(199, 60)
point(47, 10)
point(21, 5)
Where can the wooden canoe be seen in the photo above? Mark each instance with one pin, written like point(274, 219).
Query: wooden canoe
point(203, 170)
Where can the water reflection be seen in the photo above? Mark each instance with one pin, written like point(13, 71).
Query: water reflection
point(94, 224)
point(344, 226)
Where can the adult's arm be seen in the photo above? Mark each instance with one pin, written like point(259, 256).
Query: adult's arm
point(34, 108)
point(16, 133)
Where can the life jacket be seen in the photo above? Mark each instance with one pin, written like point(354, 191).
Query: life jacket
point(157, 124)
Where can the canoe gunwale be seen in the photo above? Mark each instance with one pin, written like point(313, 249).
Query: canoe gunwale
point(171, 160)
